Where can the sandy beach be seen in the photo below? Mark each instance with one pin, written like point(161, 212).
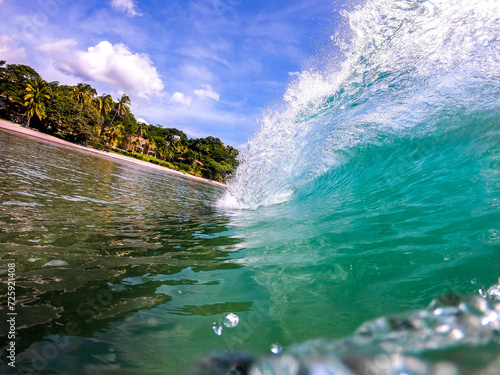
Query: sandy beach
point(10, 127)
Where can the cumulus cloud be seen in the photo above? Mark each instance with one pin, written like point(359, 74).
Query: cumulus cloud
point(126, 6)
point(116, 66)
point(181, 98)
point(207, 92)
point(8, 50)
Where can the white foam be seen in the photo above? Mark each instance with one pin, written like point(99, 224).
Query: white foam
point(405, 62)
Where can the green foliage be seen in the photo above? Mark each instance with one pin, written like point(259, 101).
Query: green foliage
point(77, 114)
point(84, 123)
point(37, 93)
point(129, 124)
point(14, 78)
point(83, 93)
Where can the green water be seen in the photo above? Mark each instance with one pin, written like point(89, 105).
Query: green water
point(122, 270)
point(361, 232)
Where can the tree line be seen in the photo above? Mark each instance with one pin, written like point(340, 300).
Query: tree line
point(78, 114)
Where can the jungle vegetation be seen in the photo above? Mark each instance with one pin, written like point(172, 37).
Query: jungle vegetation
point(78, 114)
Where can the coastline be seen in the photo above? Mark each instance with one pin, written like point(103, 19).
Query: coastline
point(11, 127)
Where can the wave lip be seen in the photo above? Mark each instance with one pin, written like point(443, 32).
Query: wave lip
point(407, 65)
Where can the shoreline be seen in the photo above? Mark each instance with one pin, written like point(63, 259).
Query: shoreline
point(11, 127)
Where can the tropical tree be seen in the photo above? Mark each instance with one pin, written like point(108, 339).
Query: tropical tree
point(34, 100)
point(178, 147)
point(84, 122)
point(151, 144)
point(14, 78)
point(141, 129)
point(135, 143)
point(115, 133)
point(103, 104)
point(169, 153)
point(122, 106)
point(83, 93)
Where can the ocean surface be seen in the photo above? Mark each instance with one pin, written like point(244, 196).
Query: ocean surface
point(361, 233)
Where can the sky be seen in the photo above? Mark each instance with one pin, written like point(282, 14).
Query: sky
point(206, 67)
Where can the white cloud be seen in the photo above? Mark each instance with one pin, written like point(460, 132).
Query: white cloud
point(141, 120)
point(56, 47)
point(8, 50)
point(115, 66)
point(179, 97)
point(207, 92)
point(126, 6)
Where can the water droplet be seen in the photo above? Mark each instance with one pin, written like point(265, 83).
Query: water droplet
point(482, 292)
point(473, 281)
point(231, 320)
point(276, 348)
point(446, 257)
point(217, 327)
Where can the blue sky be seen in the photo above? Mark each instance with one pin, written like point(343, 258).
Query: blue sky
point(207, 67)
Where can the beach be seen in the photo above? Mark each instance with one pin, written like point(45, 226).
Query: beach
point(11, 127)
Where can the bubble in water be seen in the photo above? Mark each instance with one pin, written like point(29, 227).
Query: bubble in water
point(217, 327)
point(446, 257)
point(473, 281)
point(231, 320)
point(482, 292)
point(276, 348)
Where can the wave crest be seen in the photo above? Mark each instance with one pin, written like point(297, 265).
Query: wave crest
point(406, 65)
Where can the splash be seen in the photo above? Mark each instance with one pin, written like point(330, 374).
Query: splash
point(406, 66)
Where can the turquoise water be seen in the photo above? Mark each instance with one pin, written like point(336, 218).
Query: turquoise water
point(360, 234)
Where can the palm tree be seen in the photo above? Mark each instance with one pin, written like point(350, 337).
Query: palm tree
point(169, 153)
point(103, 104)
point(135, 143)
point(151, 144)
point(160, 153)
point(179, 148)
point(141, 129)
point(34, 100)
point(115, 133)
point(122, 106)
point(83, 93)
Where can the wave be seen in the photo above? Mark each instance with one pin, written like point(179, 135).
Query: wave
point(410, 70)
